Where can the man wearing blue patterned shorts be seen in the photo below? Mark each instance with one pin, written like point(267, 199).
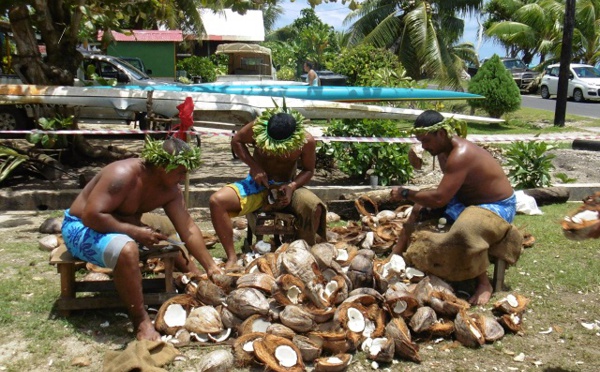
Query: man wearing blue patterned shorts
point(103, 225)
point(471, 177)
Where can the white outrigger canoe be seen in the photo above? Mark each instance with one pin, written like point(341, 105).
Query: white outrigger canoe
point(209, 108)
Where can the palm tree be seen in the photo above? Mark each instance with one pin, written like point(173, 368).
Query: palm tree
point(421, 33)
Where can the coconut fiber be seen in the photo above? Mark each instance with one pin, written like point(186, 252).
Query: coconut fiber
point(463, 252)
point(142, 356)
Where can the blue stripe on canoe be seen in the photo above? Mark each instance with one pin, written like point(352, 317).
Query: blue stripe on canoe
point(323, 93)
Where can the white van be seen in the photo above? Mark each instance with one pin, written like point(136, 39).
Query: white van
point(584, 82)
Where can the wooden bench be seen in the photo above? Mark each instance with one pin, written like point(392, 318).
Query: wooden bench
point(156, 290)
point(499, 271)
point(280, 225)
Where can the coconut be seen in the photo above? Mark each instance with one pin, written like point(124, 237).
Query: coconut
point(289, 290)
point(254, 323)
point(492, 330)
point(423, 319)
point(281, 331)
point(180, 339)
point(511, 304)
point(204, 319)
point(335, 363)
point(371, 292)
point(441, 328)
point(334, 287)
point(216, 361)
point(401, 303)
point(413, 274)
point(325, 254)
point(95, 277)
point(578, 226)
point(227, 282)
point(466, 330)
point(258, 280)
point(511, 322)
point(309, 348)
point(320, 315)
point(220, 336)
point(351, 316)
point(381, 350)
point(376, 319)
point(244, 302)
point(404, 348)
point(279, 354)
point(297, 318)
point(446, 304)
point(243, 348)
point(345, 253)
point(173, 313)
point(209, 293)
point(334, 342)
point(228, 318)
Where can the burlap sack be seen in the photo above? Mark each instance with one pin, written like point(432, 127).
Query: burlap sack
point(462, 252)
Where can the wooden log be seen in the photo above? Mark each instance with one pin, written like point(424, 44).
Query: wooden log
point(549, 195)
point(587, 145)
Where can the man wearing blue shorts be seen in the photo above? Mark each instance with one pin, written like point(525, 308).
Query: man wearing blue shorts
point(471, 177)
point(280, 145)
point(103, 225)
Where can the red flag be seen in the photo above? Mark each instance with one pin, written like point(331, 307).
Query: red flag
point(186, 119)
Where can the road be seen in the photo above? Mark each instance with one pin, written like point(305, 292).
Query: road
point(590, 108)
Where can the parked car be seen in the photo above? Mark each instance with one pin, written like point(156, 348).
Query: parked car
point(328, 78)
point(584, 82)
point(137, 63)
point(523, 76)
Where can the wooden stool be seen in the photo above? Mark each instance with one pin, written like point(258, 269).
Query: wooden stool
point(280, 225)
point(498, 278)
point(156, 290)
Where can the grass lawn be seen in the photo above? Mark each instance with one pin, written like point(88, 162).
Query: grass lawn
point(559, 276)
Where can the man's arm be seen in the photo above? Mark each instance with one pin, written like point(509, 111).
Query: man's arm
point(239, 144)
point(308, 160)
point(105, 198)
point(454, 177)
point(190, 234)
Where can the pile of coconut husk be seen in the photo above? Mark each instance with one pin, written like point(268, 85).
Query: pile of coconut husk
point(582, 221)
point(319, 305)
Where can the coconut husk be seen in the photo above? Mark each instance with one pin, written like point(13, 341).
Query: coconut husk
point(98, 269)
point(260, 281)
point(492, 330)
point(576, 228)
point(320, 315)
point(511, 322)
point(366, 206)
point(228, 318)
point(441, 328)
point(181, 338)
point(289, 290)
point(185, 301)
point(209, 293)
point(423, 319)
point(398, 331)
point(511, 304)
point(244, 358)
point(204, 319)
point(227, 282)
point(346, 251)
point(467, 331)
point(446, 304)
point(265, 350)
point(401, 303)
point(253, 324)
point(297, 318)
point(309, 348)
point(382, 350)
point(216, 361)
point(334, 342)
point(281, 331)
point(334, 363)
point(244, 302)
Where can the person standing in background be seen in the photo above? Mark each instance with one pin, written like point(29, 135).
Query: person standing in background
point(312, 77)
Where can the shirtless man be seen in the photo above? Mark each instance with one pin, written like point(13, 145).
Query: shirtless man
point(471, 177)
point(103, 225)
point(280, 143)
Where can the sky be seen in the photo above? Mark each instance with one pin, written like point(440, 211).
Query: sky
point(334, 13)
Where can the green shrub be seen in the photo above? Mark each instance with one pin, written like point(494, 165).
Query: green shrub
point(495, 83)
point(359, 62)
point(199, 66)
point(51, 140)
point(529, 165)
point(389, 161)
point(286, 73)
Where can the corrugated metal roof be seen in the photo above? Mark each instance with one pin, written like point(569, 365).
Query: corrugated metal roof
point(147, 35)
point(228, 25)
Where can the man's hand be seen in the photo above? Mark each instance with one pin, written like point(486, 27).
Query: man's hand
point(148, 237)
point(395, 194)
point(260, 176)
point(284, 197)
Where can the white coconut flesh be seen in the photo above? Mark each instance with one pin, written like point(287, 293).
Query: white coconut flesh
point(200, 337)
point(400, 306)
point(512, 300)
point(221, 336)
point(330, 288)
point(377, 345)
point(369, 238)
point(293, 293)
point(286, 356)
point(475, 331)
point(342, 255)
point(356, 321)
point(248, 347)
point(583, 216)
point(184, 279)
point(397, 263)
point(260, 325)
point(175, 316)
point(412, 272)
point(369, 328)
point(366, 345)
point(515, 318)
point(334, 360)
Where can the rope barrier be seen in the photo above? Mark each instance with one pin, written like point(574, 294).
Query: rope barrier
point(499, 138)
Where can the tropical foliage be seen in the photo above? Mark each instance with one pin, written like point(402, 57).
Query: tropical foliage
point(496, 84)
point(530, 164)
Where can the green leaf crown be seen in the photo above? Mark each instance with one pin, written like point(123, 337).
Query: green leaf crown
point(450, 125)
point(155, 154)
point(279, 147)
